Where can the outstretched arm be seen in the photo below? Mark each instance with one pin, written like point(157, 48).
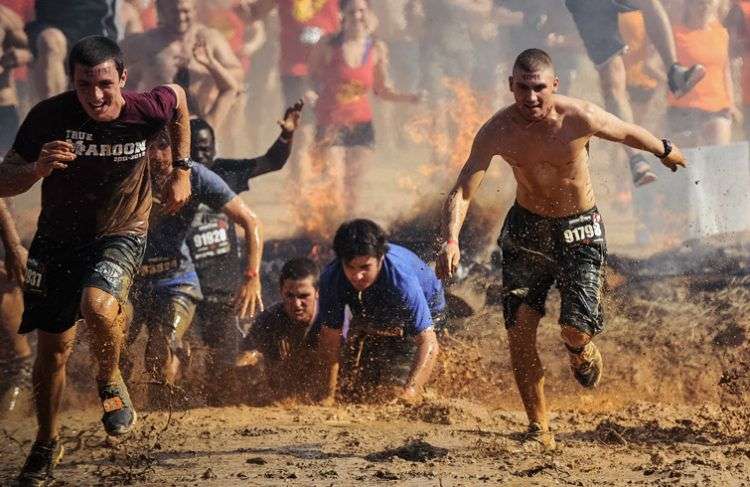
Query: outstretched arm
point(609, 127)
point(248, 297)
point(457, 204)
point(277, 155)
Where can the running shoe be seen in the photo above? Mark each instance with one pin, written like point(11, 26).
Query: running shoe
point(119, 414)
point(40, 463)
point(682, 79)
point(586, 364)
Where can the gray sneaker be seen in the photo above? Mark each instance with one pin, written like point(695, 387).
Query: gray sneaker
point(119, 414)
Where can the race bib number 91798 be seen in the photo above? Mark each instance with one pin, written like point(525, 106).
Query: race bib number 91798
point(584, 232)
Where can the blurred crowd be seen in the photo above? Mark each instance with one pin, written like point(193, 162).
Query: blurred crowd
point(235, 57)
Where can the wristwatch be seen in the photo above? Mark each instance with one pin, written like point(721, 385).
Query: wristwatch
point(667, 149)
point(184, 164)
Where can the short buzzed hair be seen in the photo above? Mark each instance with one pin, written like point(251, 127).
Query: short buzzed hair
point(533, 60)
point(93, 50)
point(299, 268)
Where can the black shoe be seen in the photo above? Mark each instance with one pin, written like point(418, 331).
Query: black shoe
point(40, 463)
point(586, 364)
point(682, 79)
point(119, 414)
point(18, 379)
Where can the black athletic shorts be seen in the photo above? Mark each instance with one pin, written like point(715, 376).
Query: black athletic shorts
point(360, 134)
point(598, 26)
point(570, 252)
point(9, 124)
point(56, 274)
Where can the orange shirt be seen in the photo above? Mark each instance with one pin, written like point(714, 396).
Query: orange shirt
point(633, 30)
point(709, 47)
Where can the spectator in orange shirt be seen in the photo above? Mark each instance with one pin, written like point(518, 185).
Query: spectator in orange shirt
point(704, 115)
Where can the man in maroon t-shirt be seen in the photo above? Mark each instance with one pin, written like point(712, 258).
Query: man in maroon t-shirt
point(89, 147)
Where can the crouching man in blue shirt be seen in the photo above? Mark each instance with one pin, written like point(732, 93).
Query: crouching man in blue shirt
point(377, 299)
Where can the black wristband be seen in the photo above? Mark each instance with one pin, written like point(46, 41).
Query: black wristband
point(286, 136)
point(667, 149)
point(184, 164)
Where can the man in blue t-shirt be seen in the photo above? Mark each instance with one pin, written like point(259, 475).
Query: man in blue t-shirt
point(378, 296)
point(167, 289)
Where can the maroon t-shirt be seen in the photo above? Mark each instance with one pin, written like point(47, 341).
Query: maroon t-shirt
point(106, 190)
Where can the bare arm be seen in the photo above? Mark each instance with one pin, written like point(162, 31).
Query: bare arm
point(248, 296)
point(178, 191)
point(329, 348)
point(425, 359)
point(455, 207)
point(18, 175)
point(225, 57)
point(609, 127)
point(225, 82)
point(277, 155)
point(382, 84)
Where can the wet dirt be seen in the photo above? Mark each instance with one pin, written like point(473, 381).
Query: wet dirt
point(673, 409)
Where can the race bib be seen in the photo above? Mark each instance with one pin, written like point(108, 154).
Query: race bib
point(35, 282)
point(154, 267)
point(584, 229)
point(211, 240)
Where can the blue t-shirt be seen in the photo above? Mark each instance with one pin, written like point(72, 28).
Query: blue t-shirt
point(406, 292)
point(167, 257)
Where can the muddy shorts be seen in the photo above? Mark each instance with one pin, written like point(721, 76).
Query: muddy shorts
point(56, 274)
point(570, 252)
point(597, 23)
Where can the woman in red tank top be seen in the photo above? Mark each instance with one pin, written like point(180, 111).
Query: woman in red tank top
point(346, 68)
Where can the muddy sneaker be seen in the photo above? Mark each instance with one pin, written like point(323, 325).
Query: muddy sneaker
point(40, 463)
point(586, 364)
point(18, 373)
point(119, 414)
point(544, 439)
point(682, 79)
point(641, 171)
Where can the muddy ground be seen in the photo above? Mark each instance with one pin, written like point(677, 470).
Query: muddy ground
point(673, 409)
